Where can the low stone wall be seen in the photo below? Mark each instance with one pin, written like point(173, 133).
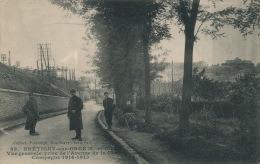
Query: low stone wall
point(11, 103)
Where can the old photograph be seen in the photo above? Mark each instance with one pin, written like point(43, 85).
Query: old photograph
point(129, 81)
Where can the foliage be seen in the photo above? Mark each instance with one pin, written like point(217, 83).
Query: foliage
point(243, 90)
point(122, 29)
point(246, 144)
point(148, 128)
point(222, 109)
point(205, 88)
point(161, 103)
point(198, 144)
point(187, 13)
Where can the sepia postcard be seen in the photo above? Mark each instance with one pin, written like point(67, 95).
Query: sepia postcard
point(129, 81)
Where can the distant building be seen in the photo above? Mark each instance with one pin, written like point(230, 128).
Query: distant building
point(177, 73)
point(200, 64)
point(238, 62)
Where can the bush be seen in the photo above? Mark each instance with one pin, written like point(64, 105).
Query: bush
point(222, 109)
point(165, 118)
point(196, 145)
point(161, 103)
point(246, 144)
point(148, 128)
point(166, 103)
point(130, 119)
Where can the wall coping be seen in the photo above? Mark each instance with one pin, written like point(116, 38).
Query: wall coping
point(23, 92)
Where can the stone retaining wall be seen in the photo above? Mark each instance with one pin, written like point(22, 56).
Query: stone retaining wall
point(11, 103)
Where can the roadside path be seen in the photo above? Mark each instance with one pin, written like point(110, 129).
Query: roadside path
point(54, 144)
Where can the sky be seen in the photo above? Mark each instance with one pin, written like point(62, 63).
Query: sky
point(26, 23)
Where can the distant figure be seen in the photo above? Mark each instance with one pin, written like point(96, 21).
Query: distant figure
point(108, 104)
point(30, 109)
point(74, 114)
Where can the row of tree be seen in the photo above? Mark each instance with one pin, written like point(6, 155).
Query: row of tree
point(127, 29)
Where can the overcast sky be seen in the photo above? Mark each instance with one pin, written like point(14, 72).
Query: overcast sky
point(26, 23)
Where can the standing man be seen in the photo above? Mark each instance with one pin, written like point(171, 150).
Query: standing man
point(30, 109)
point(109, 106)
point(74, 114)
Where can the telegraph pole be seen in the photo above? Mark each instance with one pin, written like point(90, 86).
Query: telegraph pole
point(66, 76)
point(74, 73)
point(69, 74)
point(41, 65)
point(48, 63)
point(9, 59)
point(44, 54)
point(38, 68)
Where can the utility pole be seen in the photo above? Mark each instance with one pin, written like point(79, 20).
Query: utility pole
point(9, 59)
point(41, 65)
point(48, 63)
point(44, 54)
point(38, 68)
point(74, 75)
point(66, 77)
point(69, 74)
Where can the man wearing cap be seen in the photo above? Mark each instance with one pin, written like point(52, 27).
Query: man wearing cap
point(109, 106)
point(74, 114)
point(30, 109)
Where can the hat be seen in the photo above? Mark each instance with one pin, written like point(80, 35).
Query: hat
point(72, 91)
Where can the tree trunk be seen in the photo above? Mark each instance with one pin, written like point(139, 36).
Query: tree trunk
point(187, 85)
point(120, 94)
point(189, 22)
point(145, 35)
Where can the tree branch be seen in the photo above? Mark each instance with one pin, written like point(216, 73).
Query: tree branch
point(202, 22)
point(194, 12)
point(183, 12)
point(199, 29)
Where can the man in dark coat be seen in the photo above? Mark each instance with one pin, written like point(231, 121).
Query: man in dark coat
point(108, 104)
point(30, 109)
point(74, 114)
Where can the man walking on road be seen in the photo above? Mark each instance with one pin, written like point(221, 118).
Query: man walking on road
point(109, 106)
point(31, 111)
point(74, 114)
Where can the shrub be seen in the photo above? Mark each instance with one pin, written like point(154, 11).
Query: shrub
point(130, 119)
point(161, 103)
point(246, 144)
point(222, 109)
point(165, 117)
point(196, 145)
point(148, 128)
point(170, 104)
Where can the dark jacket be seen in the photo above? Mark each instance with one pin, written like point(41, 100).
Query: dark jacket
point(75, 103)
point(108, 104)
point(30, 109)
